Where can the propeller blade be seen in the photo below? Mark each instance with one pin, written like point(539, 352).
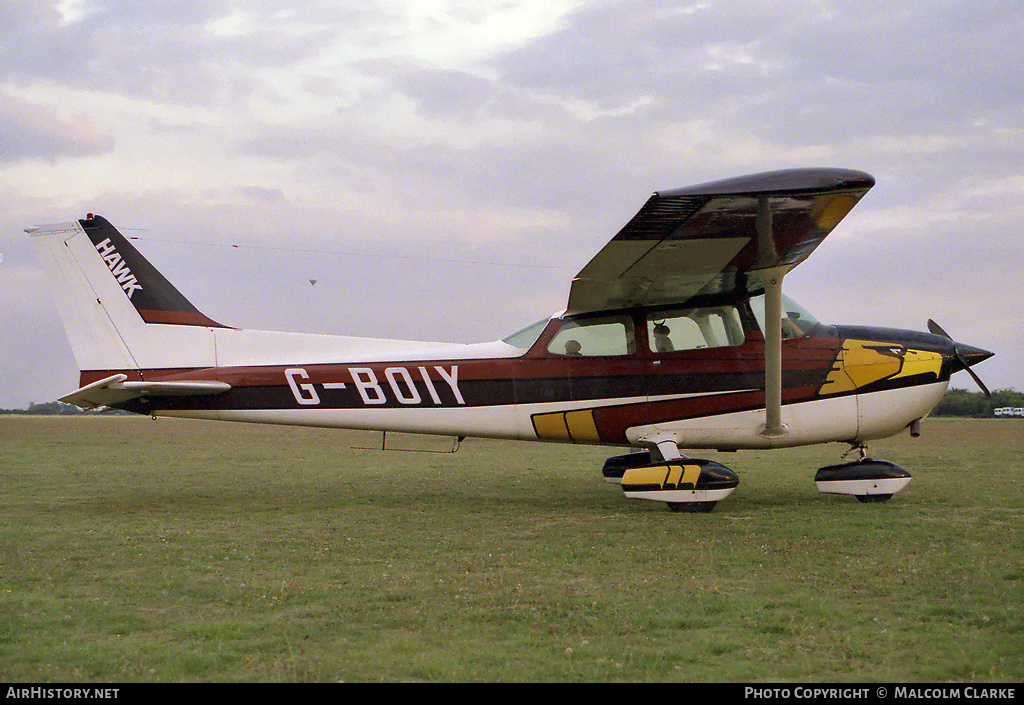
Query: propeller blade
point(936, 329)
point(977, 380)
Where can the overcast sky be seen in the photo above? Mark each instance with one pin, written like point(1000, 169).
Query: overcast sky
point(443, 168)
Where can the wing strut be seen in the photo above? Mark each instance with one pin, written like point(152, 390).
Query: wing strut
point(772, 277)
point(773, 426)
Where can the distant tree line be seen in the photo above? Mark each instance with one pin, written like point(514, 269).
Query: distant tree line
point(960, 402)
point(56, 408)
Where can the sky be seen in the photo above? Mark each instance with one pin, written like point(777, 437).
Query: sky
point(442, 169)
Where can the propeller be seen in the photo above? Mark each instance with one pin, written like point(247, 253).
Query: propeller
point(959, 350)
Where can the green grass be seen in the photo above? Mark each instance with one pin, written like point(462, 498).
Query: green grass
point(140, 550)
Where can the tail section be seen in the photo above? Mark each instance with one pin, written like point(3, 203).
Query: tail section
point(120, 314)
point(155, 298)
point(135, 335)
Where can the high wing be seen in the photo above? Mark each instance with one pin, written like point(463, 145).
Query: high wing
point(706, 239)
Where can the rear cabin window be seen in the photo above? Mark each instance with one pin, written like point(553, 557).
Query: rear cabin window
point(595, 337)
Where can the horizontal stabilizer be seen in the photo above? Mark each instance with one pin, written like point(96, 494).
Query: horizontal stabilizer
point(115, 390)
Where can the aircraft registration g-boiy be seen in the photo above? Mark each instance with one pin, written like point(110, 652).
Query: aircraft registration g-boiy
point(676, 337)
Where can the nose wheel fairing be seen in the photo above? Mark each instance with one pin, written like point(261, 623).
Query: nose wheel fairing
point(866, 479)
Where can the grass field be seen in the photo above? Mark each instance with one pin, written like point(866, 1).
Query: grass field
point(140, 550)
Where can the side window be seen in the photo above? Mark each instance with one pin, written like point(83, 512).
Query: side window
point(598, 337)
point(690, 329)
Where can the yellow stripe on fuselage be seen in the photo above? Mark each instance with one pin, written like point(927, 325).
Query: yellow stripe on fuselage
point(576, 426)
point(551, 426)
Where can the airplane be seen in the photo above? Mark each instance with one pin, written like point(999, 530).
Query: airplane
point(676, 337)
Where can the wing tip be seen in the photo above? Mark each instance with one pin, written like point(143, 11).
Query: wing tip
point(783, 181)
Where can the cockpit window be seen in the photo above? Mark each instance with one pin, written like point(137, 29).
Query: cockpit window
point(693, 328)
point(526, 337)
point(594, 337)
point(796, 320)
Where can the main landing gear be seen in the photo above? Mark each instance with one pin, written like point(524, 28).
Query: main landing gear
point(693, 485)
point(866, 479)
point(685, 484)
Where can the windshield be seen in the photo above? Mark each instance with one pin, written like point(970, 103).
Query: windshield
point(796, 320)
point(526, 337)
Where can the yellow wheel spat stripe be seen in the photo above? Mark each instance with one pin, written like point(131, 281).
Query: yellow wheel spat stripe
point(667, 477)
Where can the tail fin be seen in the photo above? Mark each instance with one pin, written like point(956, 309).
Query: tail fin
point(157, 301)
point(120, 313)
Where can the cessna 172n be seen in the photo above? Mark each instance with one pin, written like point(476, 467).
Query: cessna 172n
point(676, 336)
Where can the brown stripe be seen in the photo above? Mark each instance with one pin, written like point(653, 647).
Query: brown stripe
point(180, 318)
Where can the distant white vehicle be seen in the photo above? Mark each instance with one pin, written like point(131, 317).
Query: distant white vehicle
point(1010, 412)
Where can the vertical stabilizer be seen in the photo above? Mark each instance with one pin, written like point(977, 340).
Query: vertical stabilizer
point(119, 312)
point(155, 298)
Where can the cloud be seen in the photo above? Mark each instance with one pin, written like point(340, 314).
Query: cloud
point(29, 130)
